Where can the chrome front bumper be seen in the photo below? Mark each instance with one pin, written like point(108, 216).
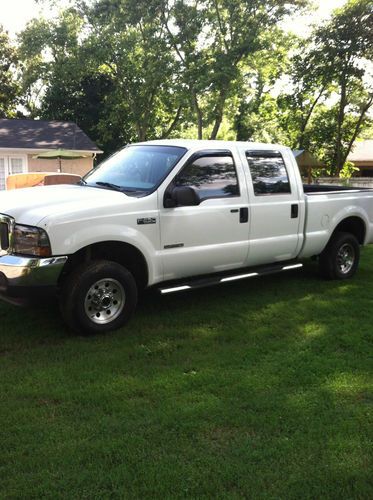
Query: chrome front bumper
point(28, 273)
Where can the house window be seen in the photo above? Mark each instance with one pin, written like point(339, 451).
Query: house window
point(10, 165)
point(15, 166)
point(2, 173)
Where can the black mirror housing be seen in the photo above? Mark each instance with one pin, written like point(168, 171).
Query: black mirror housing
point(181, 196)
point(185, 196)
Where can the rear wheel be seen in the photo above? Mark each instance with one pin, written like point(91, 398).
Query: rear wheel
point(340, 258)
point(98, 297)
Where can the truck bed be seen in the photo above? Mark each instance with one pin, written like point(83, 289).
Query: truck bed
point(310, 189)
point(328, 205)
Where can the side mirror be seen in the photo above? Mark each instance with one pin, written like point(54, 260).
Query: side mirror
point(182, 196)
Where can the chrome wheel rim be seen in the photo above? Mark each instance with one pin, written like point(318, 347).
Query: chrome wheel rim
point(104, 301)
point(345, 258)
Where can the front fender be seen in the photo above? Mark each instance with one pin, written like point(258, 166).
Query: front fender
point(69, 239)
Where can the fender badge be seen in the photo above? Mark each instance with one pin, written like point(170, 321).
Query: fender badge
point(147, 220)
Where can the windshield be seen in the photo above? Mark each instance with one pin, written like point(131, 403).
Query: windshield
point(136, 169)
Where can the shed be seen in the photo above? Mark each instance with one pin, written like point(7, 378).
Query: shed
point(306, 162)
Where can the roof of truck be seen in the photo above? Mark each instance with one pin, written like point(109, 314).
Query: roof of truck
point(196, 143)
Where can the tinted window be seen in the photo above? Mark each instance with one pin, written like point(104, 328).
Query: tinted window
point(210, 176)
point(268, 173)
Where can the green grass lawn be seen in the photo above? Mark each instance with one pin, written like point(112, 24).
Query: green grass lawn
point(257, 389)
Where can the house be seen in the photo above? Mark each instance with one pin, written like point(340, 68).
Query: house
point(362, 157)
point(306, 162)
point(22, 140)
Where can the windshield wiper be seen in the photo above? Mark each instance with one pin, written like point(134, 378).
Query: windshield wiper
point(131, 190)
point(82, 182)
point(109, 185)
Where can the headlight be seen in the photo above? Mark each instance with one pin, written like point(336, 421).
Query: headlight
point(29, 240)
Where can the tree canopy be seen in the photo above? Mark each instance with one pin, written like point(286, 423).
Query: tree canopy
point(132, 70)
point(9, 86)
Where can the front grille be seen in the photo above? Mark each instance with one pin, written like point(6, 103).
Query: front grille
point(4, 236)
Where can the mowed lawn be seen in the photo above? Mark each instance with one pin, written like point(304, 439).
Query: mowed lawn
point(255, 389)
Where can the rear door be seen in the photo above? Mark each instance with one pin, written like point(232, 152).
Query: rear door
point(212, 236)
point(274, 206)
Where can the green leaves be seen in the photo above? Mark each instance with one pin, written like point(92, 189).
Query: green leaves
point(330, 95)
point(9, 88)
point(129, 70)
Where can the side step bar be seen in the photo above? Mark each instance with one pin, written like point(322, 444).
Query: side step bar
point(217, 280)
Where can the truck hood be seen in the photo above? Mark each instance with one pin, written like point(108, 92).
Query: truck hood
point(31, 205)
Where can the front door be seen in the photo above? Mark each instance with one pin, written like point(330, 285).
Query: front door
point(213, 235)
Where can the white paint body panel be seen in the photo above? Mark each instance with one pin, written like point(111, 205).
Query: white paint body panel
point(274, 235)
point(213, 238)
point(326, 211)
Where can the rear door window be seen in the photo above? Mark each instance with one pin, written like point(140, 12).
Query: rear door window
point(268, 173)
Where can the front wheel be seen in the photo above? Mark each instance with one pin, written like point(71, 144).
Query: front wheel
point(98, 297)
point(340, 258)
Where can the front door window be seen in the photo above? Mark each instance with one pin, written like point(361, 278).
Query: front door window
point(210, 177)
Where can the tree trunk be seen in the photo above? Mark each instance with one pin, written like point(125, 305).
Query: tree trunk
point(174, 122)
point(218, 112)
point(141, 133)
point(199, 116)
point(338, 153)
point(363, 112)
point(143, 119)
point(305, 122)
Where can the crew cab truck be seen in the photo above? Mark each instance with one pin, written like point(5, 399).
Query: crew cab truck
point(175, 214)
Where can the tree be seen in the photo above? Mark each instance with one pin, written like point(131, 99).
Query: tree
point(63, 81)
point(346, 41)
point(9, 88)
point(211, 39)
point(332, 69)
point(129, 70)
point(257, 116)
point(311, 84)
point(49, 51)
point(164, 64)
point(128, 39)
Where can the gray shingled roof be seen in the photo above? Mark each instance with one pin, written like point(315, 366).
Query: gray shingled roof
point(40, 134)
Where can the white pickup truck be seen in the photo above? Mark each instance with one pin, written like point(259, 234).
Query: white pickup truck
point(175, 214)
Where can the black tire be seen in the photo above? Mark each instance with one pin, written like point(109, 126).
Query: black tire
point(340, 258)
point(98, 297)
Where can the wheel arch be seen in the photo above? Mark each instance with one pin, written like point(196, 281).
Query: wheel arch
point(352, 224)
point(117, 251)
